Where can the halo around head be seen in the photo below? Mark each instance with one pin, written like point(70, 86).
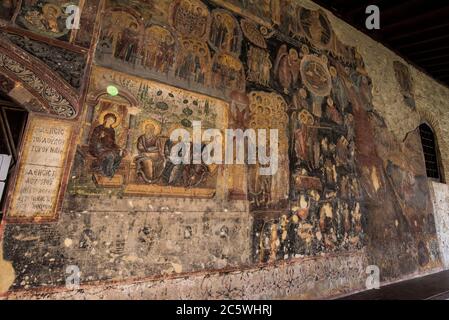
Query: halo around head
point(51, 8)
point(154, 123)
point(117, 116)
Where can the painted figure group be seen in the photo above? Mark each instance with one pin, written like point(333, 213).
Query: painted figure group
point(152, 162)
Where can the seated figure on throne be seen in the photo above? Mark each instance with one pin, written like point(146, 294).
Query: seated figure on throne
point(102, 145)
point(151, 159)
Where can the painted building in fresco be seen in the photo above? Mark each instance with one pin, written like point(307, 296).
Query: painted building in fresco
point(95, 188)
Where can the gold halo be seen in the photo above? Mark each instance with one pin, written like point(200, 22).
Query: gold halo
point(154, 123)
point(305, 49)
point(48, 7)
point(116, 124)
point(324, 58)
point(306, 118)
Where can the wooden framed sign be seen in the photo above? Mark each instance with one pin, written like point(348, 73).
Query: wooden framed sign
point(37, 192)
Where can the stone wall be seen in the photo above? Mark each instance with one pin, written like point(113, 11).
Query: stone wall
point(328, 276)
point(351, 189)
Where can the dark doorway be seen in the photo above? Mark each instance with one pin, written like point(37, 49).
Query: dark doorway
point(431, 152)
point(12, 126)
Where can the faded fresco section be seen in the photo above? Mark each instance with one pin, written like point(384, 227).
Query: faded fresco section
point(351, 189)
point(125, 147)
point(302, 80)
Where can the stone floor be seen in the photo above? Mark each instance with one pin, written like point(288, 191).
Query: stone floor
point(432, 287)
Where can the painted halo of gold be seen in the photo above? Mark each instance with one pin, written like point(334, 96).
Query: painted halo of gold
point(157, 126)
point(46, 10)
point(333, 71)
point(306, 118)
point(104, 113)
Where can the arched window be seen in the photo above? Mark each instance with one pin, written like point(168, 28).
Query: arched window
point(431, 152)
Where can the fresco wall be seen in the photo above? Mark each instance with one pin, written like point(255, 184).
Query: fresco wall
point(48, 18)
point(349, 191)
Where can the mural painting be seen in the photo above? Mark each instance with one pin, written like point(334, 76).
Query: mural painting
point(190, 18)
point(225, 34)
point(193, 62)
point(259, 66)
point(344, 184)
point(326, 203)
point(263, 10)
point(46, 17)
point(403, 76)
point(313, 89)
point(127, 147)
point(269, 191)
point(49, 18)
point(88, 19)
point(159, 49)
point(194, 47)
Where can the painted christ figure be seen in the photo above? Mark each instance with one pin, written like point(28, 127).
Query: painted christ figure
point(103, 147)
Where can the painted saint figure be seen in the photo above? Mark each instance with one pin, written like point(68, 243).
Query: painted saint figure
point(259, 66)
point(103, 147)
point(151, 160)
point(127, 44)
point(159, 49)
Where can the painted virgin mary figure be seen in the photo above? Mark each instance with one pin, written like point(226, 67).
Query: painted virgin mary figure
point(151, 159)
point(103, 147)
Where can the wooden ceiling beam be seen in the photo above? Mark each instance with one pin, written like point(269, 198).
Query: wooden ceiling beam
point(426, 52)
point(432, 58)
point(415, 19)
point(422, 42)
point(435, 65)
point(403, 35)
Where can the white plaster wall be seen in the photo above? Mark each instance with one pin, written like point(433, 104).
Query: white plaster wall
point(440, 198)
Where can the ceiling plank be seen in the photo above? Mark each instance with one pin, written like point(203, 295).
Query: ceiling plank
point(432, 58)
point(423, 41)
point(435, 64)
point(426, 52)
point(415, 19)
point(403, 35)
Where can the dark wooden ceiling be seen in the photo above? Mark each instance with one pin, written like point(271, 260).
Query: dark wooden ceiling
point(417, 30)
